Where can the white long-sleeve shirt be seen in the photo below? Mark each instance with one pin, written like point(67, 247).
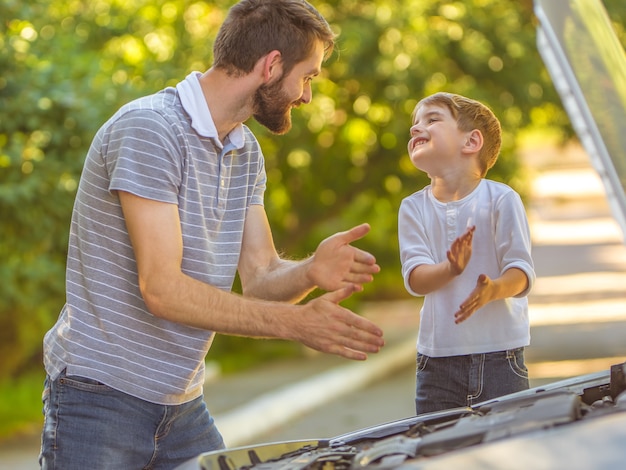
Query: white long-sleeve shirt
point(427, 228)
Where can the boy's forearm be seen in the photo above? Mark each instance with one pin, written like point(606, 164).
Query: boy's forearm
point(513, 282)
point(427, 278)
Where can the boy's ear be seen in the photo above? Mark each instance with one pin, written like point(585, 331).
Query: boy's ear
point(473, 141)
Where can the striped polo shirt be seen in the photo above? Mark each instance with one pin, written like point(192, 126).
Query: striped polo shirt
point(162, 147)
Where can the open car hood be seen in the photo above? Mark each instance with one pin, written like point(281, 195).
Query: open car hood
point(574, 423)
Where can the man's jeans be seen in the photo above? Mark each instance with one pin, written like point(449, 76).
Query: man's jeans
point(88, 425)
point(457, 381)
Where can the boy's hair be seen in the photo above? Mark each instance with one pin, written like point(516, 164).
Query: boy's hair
point(471, 114)
point(253, 28)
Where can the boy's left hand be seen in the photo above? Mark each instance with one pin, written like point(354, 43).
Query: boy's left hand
point(481, 295)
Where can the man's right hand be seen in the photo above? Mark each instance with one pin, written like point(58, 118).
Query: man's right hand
point(324, 325)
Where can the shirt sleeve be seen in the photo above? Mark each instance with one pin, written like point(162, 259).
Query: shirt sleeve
point(144, 156)
point(413, 241)
point(512, 237)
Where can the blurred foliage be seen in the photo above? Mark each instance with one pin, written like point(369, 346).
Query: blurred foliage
point(20, 405)
point(67, 65)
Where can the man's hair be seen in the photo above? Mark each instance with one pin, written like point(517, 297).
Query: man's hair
point(471, 114)
point(254, 28)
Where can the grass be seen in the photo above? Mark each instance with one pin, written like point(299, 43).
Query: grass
point(20, 405)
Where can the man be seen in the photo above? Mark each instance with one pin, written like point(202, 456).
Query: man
point(169, 208)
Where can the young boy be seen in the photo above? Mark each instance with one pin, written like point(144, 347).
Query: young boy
point(465, 246)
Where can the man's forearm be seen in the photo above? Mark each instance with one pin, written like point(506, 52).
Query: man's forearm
point(321, 324)
point(285, 281)
point(182, 299)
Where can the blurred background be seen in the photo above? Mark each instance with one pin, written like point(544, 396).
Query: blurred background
point(67, 65)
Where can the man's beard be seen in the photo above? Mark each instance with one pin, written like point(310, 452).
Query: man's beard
point(272, 108)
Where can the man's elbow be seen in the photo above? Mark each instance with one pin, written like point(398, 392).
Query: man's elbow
point(155, 295)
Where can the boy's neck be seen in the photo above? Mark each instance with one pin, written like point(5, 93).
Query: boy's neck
point(451, 189)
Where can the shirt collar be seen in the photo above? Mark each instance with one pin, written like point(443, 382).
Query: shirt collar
point(193, 101)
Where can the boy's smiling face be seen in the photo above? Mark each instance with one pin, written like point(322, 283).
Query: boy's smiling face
point(435, 138)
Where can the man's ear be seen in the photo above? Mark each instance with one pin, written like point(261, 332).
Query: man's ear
point(272, 66)
point(473, 141)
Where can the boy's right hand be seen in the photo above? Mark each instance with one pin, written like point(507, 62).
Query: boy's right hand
point(460, 252)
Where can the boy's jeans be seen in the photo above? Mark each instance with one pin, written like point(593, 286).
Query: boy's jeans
point(88, 425)
point(457, 381)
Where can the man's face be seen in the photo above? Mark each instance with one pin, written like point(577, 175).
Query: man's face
point(273, 101)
